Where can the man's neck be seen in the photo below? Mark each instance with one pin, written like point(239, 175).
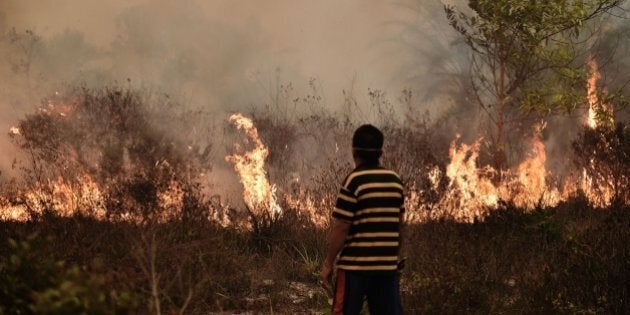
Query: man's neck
point(362, 164)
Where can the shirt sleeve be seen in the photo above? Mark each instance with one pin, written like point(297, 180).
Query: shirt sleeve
point(345, 206)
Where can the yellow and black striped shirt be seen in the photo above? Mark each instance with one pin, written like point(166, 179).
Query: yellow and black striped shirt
point(371, 199)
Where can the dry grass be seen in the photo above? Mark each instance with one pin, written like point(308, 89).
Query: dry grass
point(571, 259)
point(568, 259)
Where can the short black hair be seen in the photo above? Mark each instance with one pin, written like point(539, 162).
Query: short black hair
point(367, 143)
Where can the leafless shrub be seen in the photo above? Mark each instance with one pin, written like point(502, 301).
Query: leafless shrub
point(120, 139)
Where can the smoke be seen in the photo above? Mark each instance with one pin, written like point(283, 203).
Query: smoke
point(224, 55)
point(221, 52)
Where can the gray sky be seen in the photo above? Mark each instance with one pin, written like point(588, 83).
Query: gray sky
point(337, 42)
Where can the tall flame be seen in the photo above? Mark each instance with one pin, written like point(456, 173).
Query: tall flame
point(598, 196)
point(529, 188)
point(469, 193)
point(594, 103)
point(258, 194)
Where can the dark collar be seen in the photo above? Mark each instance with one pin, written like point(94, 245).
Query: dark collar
point(367, 166)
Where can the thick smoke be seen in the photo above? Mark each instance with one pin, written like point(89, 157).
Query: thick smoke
point(222, 53)
point(221, 56)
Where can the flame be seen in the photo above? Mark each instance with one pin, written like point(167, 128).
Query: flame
point(598, 195)
point(258, 194)
point(308, 206)
point(58, 196)
point(594, 103)
point(12, 210)
point(58, 107)
point(434, 177)
point(529, 188)
point(171, 201)
point(82, 196)
point(14, 131)
point(469, 194)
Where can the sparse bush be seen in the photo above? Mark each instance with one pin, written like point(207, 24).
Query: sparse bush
point(33, 283)
point(121, 140)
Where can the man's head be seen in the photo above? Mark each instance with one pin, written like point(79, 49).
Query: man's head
point(367, 144)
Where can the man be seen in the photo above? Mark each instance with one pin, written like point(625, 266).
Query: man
point(365, 233)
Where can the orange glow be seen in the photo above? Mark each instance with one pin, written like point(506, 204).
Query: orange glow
point(60, 108)
point(462, 190)
point(528, 187)
point(594, 103)
point(469, 194)
point(13, 212)
point(307, 206)
point(61, 198)
point(171, 201)
point(598, 195)
point(258, 194)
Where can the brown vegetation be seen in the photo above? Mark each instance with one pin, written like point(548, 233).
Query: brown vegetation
point(178, 257)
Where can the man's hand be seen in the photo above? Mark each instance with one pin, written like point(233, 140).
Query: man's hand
point(336, 238)
point(325, 278)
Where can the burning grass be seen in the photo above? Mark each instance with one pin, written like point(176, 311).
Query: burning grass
point(125, 200)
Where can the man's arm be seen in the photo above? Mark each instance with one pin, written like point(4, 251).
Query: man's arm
point(401, 237)
point(336, 239)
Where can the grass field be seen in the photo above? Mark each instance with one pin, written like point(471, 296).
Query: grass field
point(567, 260)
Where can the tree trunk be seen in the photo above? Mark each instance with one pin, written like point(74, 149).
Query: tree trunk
point(499, 145)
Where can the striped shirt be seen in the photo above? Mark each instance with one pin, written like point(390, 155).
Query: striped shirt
point(371, 199)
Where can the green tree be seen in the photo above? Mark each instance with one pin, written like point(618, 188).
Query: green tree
point(526, 57)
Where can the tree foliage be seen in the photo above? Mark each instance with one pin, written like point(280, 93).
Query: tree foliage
point(527, 57)
point(29, 285)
